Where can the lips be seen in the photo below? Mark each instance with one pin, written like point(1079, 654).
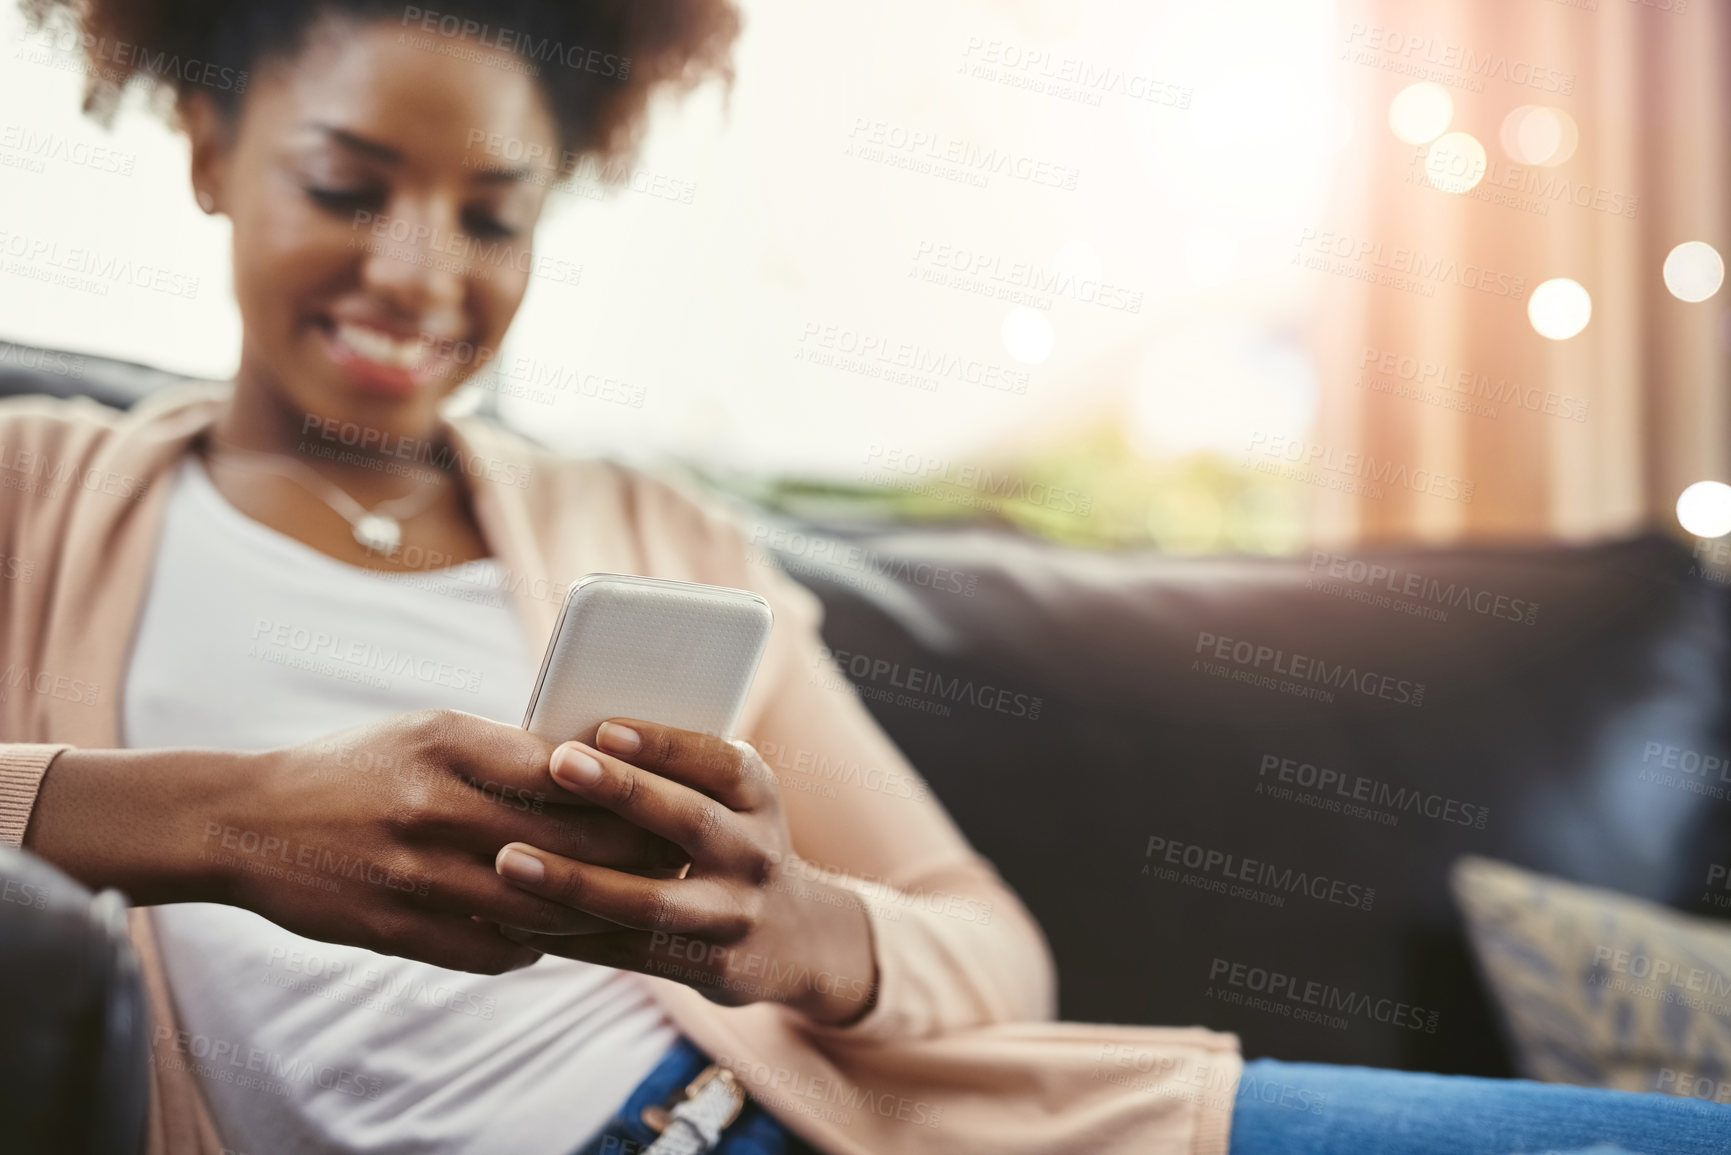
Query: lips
point(393, 363)
point(382, 348)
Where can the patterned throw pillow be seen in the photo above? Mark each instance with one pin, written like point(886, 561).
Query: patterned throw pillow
point(1600, 989)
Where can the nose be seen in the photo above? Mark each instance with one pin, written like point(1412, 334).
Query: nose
point(416, 267)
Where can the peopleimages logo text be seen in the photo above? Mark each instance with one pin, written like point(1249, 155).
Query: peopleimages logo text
point(1363, 256)
point(1226, 865)
point(1352, 463)
point(1303, 668)
point(1358, 788)
point(925, 469)
point(1419, 49)
point(1278, 985)
point(1439, 374)
point(1395, 580)
point(542, 50)
point(915, 680)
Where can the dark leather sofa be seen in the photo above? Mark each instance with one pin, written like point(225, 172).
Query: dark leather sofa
point(1296, 750)
point(1567, 738)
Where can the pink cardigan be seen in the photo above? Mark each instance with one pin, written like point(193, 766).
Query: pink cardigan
point(957, 1055)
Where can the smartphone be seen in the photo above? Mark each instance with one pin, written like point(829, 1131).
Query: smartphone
point(678, 653)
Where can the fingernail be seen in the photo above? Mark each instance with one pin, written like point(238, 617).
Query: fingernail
point(620, 739)
point(573, 766)
point(520, 867)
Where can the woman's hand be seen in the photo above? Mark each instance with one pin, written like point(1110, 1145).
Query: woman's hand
point(382, 837)
point(385, 837)
point(742, 926)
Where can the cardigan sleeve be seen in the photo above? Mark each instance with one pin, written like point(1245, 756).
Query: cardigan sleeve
point(955, 947)
point(22, 766)
point(57, 438)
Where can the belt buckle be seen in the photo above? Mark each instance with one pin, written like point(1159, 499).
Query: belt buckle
point(658, 1118)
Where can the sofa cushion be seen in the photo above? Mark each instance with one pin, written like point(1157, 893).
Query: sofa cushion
point(1600, 989)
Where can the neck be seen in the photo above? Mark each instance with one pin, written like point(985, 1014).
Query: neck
point(370, 462)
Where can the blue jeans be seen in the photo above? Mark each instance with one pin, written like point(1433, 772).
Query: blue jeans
point(755, 1132)
point(1310, 1109)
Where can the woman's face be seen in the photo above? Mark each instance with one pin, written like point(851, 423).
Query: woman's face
point(381, 240)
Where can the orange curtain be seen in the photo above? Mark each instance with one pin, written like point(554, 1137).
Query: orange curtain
point(1429, 365)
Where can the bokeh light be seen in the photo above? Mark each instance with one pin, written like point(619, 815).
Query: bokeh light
point(1538, 134)
point(1455, 163)
point(1694, 270)
point(1560, 308)
point(1704, 509)
point(1421, 112)
point(1027, 335)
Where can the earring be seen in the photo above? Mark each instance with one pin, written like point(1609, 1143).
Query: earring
point(206, 201)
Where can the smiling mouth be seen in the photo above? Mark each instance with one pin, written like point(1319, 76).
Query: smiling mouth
point(381, 361)
point(383, 349)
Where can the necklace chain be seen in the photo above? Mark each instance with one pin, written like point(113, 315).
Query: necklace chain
point(379, 529)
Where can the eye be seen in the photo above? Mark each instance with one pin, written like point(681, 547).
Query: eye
point(343, 200)
point(480, 223)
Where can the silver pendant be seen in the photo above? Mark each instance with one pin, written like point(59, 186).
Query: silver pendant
point(379, 533)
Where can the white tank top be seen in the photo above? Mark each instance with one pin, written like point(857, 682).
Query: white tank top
point(251, 640)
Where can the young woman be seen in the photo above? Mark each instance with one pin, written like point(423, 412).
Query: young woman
point(375, 915)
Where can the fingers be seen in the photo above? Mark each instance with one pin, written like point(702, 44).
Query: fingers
point(486, 784)
point(588, 832)
point(704, 827)
point(499, 760)
point(471, 889)
point(682, 906)
point(455, 942)
point(730, 772)
point(622, 949)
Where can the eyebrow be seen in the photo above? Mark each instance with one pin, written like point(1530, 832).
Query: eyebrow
point(503, 175)
point(389, 155)
point(361, 144)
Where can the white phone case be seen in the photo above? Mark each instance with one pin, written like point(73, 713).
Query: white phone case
point(678, 653)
